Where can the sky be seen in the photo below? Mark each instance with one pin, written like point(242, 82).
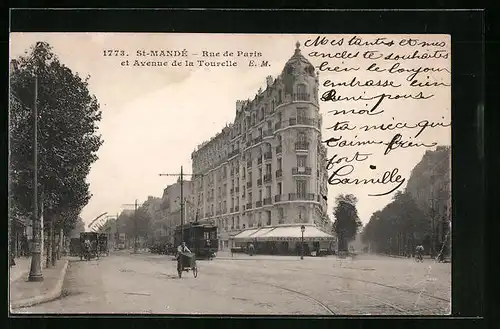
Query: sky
point(154, 117)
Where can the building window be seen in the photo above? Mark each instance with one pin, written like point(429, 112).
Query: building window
point(279, 164)
point(268, 169)
point(301, 187)
point(281, 216)
point(301, 137)
point(268, 191)
point(302, 214)
point(280, 189)
point(260, 195)
point(268, 218)
point(301, 161)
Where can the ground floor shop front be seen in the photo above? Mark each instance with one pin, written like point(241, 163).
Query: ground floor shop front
point(287, 239)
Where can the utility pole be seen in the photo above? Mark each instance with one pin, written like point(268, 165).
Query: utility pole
point(181, 179)
point(433, 215)
point(35, 274)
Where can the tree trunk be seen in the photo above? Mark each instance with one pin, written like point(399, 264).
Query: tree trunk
point(49, 245)
point(61, 244)
point(53, 244)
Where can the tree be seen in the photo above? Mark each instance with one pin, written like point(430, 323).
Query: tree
point(347, 221)
point(67, 141)
point(397, 228)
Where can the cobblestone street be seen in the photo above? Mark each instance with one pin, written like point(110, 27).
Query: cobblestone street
point(144, 283)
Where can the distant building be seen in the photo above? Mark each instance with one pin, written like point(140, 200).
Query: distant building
point(171, 207)
point(268, 166)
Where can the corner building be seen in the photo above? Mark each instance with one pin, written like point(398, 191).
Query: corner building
point(267, 167)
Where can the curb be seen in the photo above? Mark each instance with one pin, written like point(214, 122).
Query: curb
point(51, 295)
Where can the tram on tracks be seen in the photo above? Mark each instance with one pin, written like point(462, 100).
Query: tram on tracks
point(200, 238)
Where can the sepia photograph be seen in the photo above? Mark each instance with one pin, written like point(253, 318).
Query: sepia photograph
point(230, 174)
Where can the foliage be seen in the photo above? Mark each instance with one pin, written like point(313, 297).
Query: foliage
point(347, 221)
point(407, 220)
point(67, 141)
point(397, 228)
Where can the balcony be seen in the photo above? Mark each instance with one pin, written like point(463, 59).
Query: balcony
point(279, 173)
point(301, 97)
point(301, 171)
point(233, 153)
point(301, 146)
point(268, 178)
point(249, 205)
point(301, 196)
point(268, 155)
point(277, 125)
point(278, 198)
point(278, 149)
point(259, 160)
point(249, 184)
point(267, 201)
point(292, 121)
point(258, 204)
point(259, 182)
point(268, 133)
point(237, 208)
point(249, 164)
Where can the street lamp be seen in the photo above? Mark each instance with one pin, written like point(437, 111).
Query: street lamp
point(302, 229)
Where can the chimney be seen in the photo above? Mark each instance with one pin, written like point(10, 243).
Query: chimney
point(269, 80)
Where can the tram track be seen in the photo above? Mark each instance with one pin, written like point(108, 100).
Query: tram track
point(366, 281)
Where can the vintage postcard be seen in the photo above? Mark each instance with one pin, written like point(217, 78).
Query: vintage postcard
point(249, 174)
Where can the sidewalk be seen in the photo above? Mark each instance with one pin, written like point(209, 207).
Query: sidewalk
point(24, 293)
point(21, 268)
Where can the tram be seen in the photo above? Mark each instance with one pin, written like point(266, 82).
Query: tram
point(200, 238)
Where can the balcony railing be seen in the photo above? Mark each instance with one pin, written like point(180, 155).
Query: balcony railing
point(249, 205)
point(267, 201)
point(279, 173)
point(259, 182)
point(249, 184)
point(306, 121)
point(237, 208)
point(268, 178)
point(231, 210)
point(301, 171)
point(258, 204)
point(259, 160)
point(278, 149)
point(277, 125)
point(268, 133)
point(301, 97)
point(268, 155)
point(302, 196)
point(292, 121)
point(279, 197)
point(233, 153)
point(301, 146)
